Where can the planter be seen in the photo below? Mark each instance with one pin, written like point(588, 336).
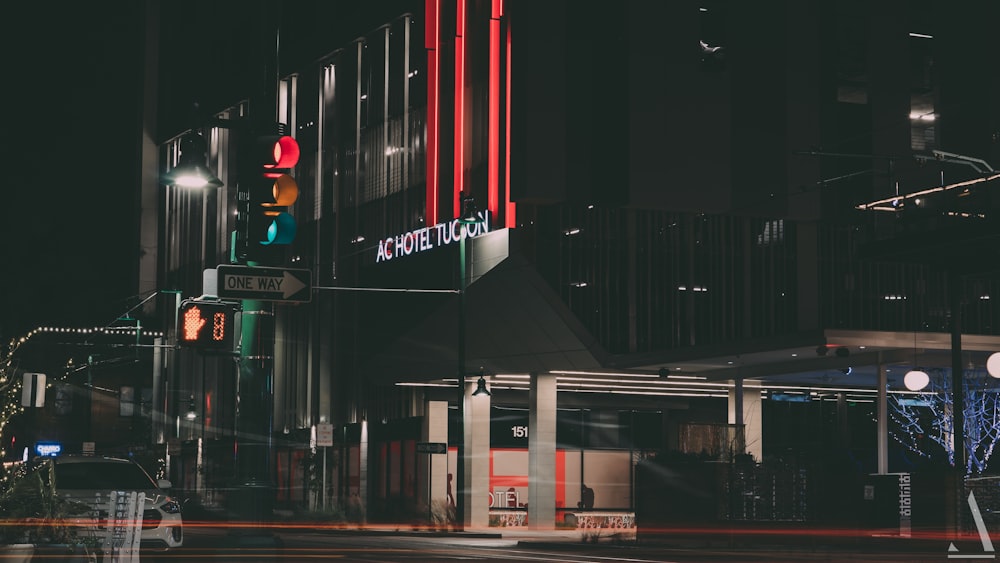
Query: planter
point(17, 552)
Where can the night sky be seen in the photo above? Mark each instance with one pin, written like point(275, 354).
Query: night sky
point(71, 141)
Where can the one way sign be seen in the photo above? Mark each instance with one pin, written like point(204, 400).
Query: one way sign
point(263, 284)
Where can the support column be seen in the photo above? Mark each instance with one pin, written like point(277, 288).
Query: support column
point(434, 473)
point(843, 423)
point(957, 488)
point(363, 470)
point(745, 409)
point(477, 466)
point(882, 412)
point(542, 452)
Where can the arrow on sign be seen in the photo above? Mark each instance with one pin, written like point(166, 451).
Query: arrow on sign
point(432, 448)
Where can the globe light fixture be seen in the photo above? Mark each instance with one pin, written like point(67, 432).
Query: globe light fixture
point(916, 379)
point(993, 364)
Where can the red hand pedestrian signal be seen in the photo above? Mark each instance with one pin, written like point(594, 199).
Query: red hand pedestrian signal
point(205, 324)
point(193, 322)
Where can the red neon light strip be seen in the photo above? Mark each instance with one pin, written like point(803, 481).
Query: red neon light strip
point(433, 141)
point(493, 166)
point(560, 478)
point(510, 215)
point(459, 108)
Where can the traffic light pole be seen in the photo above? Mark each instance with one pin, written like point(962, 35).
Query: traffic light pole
point(255, 387)
point(254, 415)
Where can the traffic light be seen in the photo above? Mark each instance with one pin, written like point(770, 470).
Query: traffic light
point(269, 190)
point(205, 324)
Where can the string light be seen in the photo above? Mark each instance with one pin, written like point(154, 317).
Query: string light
point(931, 419)
point(10, 387)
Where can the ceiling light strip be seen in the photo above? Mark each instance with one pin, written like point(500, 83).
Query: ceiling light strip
point(611, 374)
point(571, 380)
point(574, 386)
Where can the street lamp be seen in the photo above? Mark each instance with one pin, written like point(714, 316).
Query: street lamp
point(192, 414)
point(191, 171)
point(481, 388)
point(469, 216)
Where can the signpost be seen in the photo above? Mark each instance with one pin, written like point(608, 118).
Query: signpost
point(324, 435)
point(263, 284)
point(432, 448)
point(33, 390)
point(324, 439)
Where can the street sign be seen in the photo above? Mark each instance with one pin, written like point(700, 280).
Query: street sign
point(432, 448)
point(324, 435)
point(264, 284)
point(33, 390)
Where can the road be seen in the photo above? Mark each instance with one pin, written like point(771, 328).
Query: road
point(219, 544)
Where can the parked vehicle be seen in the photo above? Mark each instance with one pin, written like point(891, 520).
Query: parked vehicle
point(90, 480)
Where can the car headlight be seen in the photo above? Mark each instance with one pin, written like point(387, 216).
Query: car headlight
point(171, 507)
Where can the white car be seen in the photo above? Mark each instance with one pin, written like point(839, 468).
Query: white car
point(91, 479)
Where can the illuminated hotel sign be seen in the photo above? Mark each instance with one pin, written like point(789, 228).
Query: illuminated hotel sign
point(427, 238)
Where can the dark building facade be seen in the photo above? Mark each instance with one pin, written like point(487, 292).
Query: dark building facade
point(674, 202)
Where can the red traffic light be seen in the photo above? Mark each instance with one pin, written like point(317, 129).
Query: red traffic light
point(268, 188)
point(274, 191)
point(284, 152)
point(205, 324)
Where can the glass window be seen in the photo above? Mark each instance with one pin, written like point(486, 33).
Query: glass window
point(923, 135)
point(126, 400)
point(101, 475)
point(607, 475)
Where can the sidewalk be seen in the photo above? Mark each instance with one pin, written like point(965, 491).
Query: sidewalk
point(719, 543)
point(846, 543)
point(742, 538)
point(515, 535)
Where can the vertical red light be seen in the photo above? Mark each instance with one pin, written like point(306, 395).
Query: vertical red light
point(459, 108)
point(510, 219)
point(493, 168)
point(431, 44)
point(208, 409)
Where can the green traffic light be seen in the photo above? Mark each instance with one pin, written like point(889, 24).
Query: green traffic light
point(281, 230)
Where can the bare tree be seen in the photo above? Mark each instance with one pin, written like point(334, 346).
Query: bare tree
point(923, 421)
point(10, 404)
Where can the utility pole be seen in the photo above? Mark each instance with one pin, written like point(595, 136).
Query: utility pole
point(957, 399)
point(460, 481)
point(255, 388)
point(468, 217)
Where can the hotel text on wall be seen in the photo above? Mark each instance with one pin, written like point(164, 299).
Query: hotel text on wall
point(427, 238)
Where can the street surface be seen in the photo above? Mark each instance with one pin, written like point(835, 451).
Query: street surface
point(221, 544)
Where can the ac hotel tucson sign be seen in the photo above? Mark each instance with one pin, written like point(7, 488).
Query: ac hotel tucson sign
point(427, 238)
